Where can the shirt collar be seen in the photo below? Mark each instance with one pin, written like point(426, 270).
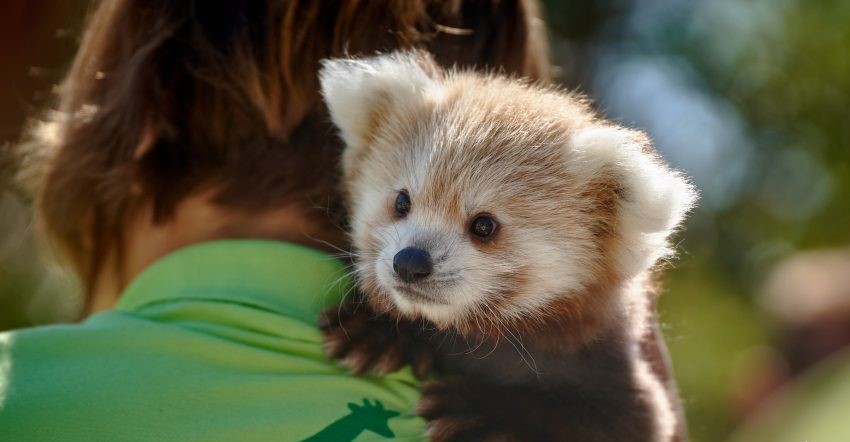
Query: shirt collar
point(281, 277)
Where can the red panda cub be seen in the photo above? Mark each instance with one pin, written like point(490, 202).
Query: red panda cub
point(504, 236)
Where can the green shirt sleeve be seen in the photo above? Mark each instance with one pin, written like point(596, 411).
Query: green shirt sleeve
point(214, 342)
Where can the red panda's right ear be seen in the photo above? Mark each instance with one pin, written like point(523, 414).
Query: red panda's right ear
point(359, 91)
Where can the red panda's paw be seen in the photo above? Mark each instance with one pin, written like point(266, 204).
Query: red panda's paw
point(461, 410)
point(366, 341)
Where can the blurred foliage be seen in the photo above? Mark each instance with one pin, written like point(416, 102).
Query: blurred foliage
point(814, 409)
point(749, 97)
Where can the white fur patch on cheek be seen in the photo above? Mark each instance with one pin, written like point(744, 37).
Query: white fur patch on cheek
point(390, 245)
point(557, 268)
point(368, 209)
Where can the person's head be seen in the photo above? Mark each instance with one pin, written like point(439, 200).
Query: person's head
point(215, 106)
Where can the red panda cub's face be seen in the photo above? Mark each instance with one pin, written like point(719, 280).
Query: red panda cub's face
point(477, 200)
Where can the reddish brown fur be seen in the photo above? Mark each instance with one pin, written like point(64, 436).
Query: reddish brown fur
point(445, 189)
point(487, 145)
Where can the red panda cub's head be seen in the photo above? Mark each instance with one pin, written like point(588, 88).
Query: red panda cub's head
point(477, 200)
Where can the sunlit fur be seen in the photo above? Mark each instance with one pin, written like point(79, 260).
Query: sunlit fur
point(585, 209)
point(584, 206)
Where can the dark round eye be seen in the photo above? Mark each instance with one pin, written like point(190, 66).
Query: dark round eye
point(402, 204)
point(483, 226)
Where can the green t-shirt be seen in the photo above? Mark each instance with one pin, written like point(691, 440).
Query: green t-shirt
point(213, 342)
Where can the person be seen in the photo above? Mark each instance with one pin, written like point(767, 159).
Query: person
point(188, 176)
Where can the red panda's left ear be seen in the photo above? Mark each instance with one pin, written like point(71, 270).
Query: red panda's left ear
point(653, 198)
point(358, 90)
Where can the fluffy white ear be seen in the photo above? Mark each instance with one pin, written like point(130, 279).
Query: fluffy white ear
point(357, 90)
point(654, 198)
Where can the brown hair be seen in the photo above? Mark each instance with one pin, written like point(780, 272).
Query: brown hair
point(166, 98)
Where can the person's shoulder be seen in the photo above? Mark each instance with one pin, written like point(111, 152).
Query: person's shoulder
point(101, 323)
point(105, 333)
point(111, 376)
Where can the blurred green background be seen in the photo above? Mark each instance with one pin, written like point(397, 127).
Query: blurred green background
point(751, 98)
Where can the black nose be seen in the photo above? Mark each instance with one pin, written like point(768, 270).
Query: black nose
point(412, 264)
